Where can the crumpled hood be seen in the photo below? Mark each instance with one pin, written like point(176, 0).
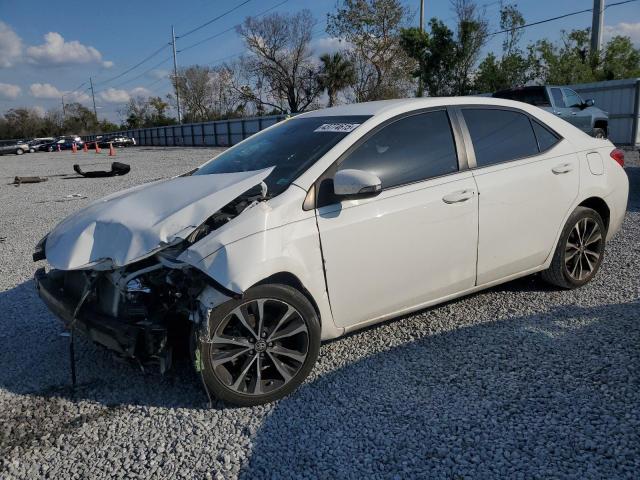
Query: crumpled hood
point(132, 224)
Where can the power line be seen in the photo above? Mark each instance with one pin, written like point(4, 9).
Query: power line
point(146, 59)
point(558, 18)
point(229, 29)
point(143, 73)
point(213, 19)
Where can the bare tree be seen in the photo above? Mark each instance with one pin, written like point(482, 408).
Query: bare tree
point(196, 92)
point(280, 56)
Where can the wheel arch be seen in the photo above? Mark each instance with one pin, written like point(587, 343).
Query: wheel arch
point(599, 205)
point(289, 279)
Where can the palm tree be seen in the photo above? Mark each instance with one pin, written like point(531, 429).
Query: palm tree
point(336, 74)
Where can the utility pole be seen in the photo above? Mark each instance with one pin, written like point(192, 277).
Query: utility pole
point(597, 25)
point(175, 72)
point(64, 109)
point(420, 83)
point(94, 98)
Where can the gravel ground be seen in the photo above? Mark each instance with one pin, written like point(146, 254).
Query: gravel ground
point(521, 381)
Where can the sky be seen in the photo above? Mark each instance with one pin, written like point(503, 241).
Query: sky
point(48, 50)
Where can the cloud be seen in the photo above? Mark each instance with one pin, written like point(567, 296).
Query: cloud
point(157, 74)
point(44, 90)
point(57, 51)
point(76, 97)
point(9, 91)
point(113, 95)
point(140, 92)
point(39, 109)
point(107, 64)
point(328, 45)
point(10, 46)
point(625, 29)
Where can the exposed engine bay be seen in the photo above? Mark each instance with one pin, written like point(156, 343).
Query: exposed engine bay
point(138, 310)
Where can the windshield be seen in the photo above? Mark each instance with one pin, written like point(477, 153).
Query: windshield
point(292, 147)
point(532, 95)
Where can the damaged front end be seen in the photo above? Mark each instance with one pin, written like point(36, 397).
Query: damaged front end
point(142, 310)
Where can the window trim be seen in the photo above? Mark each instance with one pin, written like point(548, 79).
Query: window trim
point(311, 200)
point(471, 154)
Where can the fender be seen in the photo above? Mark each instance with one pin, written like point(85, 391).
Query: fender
point(256, 245)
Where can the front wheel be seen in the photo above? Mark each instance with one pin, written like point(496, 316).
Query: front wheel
point(580, 250)
point(261, 347)
point(19, 151)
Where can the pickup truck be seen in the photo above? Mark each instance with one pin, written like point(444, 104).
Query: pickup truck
point(565, 103)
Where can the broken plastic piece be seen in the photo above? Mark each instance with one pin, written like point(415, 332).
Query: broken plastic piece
point(117, 169)
point(21, 180)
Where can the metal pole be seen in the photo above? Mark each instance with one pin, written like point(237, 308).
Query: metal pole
point(422, 15)
point(64, 110)
point(175, 71)
point(94, 98)
point(597, 25)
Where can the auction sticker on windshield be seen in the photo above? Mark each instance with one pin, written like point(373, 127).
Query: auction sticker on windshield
point(337, 127)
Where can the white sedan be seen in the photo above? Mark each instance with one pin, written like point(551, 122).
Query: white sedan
point(326, 223)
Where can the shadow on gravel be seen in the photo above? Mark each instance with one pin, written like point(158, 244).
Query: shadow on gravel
point(35, 362)
point(544, 395)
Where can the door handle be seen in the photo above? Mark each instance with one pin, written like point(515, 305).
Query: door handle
point(459, 196)
point(563, 168)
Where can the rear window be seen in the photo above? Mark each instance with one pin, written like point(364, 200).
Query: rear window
point(532, 95)
point(499, 135)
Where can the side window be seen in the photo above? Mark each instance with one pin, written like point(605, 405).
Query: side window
point(558, 99)
point(499, 135)
point(572, 99)
point(546, 139)
point(408, 150)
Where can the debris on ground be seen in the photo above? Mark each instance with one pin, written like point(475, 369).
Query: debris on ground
point(21, 180)
point(117, 169)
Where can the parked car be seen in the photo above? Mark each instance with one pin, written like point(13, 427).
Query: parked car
point(36, 143)
point(117, 141)
point(566, 104)
point(328, 222)
point(65, 143)
point(17, 148)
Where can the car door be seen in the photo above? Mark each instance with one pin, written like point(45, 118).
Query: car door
point(578, 116)
point(414, 242)
point(527, 178)
point(559, 105)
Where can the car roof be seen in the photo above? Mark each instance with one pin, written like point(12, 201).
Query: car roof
point(408, 104)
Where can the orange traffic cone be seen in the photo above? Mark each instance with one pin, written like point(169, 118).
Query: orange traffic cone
point(112, 151)
point(97, 148)
point(74, 149)
point(85, 148)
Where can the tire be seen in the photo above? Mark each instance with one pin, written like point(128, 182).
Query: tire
point(579, 252)
point(32, 150)
point(231, 351)
point(599, 133)
point(19, 151)
point(49, 149)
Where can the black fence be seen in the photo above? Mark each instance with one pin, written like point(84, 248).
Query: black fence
point(219, 133)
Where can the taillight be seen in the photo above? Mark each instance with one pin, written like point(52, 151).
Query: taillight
point(618, 156)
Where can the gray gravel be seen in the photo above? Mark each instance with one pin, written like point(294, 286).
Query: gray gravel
point(522, 381)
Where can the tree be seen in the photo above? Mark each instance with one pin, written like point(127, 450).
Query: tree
point(620, 60)
point(471, 35)
point(514, 68)
point(280, 54)
point(336, 74)
point(371, 29)
point(196, 92)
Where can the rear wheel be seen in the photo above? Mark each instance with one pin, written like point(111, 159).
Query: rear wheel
point(19, 151)
point(49, 149)
point(261, 347)
point(580, 250)
point(599, 133)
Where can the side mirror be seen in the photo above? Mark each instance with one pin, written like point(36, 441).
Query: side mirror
point(589, 103)
point(353, 183)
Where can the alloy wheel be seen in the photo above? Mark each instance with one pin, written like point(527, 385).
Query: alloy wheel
point(583, 249)
point(259, 346)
